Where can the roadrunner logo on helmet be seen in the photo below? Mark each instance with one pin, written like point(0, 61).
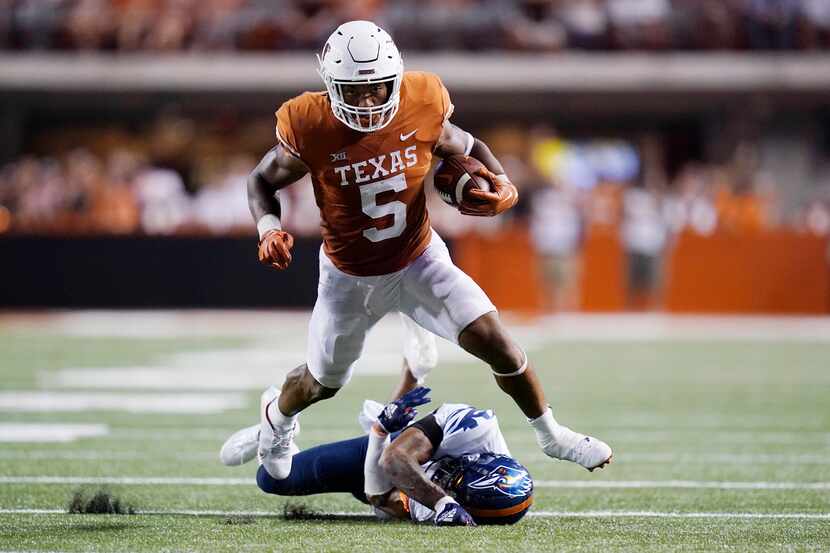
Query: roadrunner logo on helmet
point(360, 52)
point(494, 489)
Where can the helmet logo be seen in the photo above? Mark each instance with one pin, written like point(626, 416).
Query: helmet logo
point(510, 481)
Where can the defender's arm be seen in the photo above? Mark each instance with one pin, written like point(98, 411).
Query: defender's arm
point(379, 485)
point(401, 464)
point(481, 203)
point(402, 460)
point(277, 169)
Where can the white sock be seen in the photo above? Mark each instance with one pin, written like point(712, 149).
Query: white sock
point(278, 419)
point(545, 426)
point(549, 432)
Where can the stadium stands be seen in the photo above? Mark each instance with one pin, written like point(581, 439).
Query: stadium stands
point(532, 25)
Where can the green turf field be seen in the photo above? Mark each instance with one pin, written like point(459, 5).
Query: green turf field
point(720, 444)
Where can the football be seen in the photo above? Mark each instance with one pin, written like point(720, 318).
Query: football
point(455, 176)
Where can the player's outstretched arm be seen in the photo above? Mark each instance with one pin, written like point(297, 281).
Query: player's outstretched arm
point(400, 467)
point(402, 460)
point(277, 169)
point(482, 203)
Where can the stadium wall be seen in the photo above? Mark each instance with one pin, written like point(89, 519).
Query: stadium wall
point(778, 72)
point(777, 272)
point(133, 272)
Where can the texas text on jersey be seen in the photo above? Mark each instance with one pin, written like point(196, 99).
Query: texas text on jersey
point(369, 186)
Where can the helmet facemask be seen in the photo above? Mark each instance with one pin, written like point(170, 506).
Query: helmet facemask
point(448, 474)
point(364, 119)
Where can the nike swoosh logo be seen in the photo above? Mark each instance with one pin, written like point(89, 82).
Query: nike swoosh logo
point(407, 136)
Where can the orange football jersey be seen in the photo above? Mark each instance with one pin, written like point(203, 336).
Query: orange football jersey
point(370, 186)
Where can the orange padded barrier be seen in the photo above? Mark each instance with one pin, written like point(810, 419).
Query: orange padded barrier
point(602, 284)
point(765, 272)
point(504, 264)
point(775, 272)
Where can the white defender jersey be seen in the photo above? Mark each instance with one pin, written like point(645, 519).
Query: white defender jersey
point(466, 431)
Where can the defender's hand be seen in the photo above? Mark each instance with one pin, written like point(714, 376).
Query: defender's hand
point(453, 514)
point(399, 413)
point(275, 249)
point(481, 203)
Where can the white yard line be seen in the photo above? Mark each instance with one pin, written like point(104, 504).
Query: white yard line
point(171, 433)
point(628, 458)
point(663, 434)
point(728, 458)
point(561, 484)
point(631, 458)
point(712, 437)
point(681, 484)
point(536, 514)
point(49, 432)
point(673, 514)
point(41, 455)
point(128, 480)
point(27, 401)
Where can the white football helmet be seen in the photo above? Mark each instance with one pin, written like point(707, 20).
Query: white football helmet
point(360, 52)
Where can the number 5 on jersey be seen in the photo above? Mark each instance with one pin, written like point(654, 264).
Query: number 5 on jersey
point(368, 197)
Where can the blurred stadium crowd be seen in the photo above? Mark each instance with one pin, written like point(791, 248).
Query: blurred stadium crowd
point(535, 25)
point(184, 175)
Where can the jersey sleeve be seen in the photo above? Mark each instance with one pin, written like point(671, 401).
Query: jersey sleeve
point(286, 130)
point(434, 107)
point(447, 106)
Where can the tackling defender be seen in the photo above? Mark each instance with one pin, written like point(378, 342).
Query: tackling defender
point(368, 142)
point(452, 467)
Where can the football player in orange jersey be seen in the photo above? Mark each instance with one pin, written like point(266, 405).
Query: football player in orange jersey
point(367, 142)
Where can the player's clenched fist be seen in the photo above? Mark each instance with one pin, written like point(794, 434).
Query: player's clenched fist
point(483, 203)
point(275, 249)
